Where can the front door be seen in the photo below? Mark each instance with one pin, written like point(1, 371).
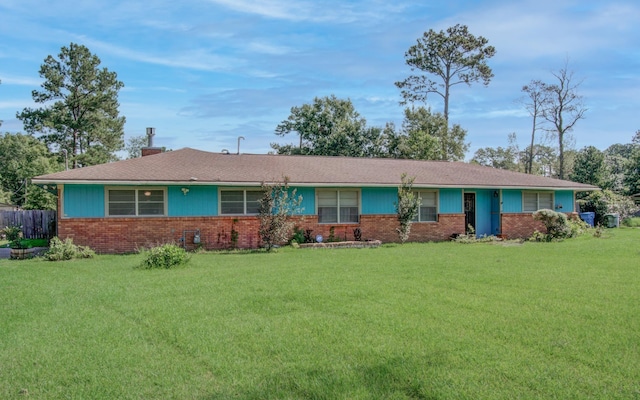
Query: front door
point(470, 212)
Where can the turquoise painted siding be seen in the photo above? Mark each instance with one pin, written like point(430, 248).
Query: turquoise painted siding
point(379, 200)
point(564, 197)
point(308, 200)
point(199, 201)
point(512, 201)
point(83, 201)
point(450, 201)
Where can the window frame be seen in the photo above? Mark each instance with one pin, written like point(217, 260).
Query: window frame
point(136, 201)
point(537, 194)
point(338, 206)
point(419, 216)
point(244, 191)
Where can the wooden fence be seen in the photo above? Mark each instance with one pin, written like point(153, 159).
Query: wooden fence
point(35, 224)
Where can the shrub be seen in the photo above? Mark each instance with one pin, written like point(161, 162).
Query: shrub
point(165, 256)
point(557, 225)
point(606, 202)
point(633, 222)
point(66, 250)
point(14, 236)
point(298, 236)
point(276, 206)
point(406, 207)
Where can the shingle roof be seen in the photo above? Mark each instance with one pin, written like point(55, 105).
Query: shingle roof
point(201, 167)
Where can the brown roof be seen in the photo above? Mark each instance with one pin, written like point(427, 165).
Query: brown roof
point(201, 167)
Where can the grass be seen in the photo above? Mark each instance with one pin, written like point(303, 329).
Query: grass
point(419, 321)
point(28, 243)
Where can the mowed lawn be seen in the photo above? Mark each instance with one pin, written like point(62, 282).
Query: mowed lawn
point(418, 321)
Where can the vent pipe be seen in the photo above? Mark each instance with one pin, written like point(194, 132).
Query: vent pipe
point(151, 132)
point(239, 138)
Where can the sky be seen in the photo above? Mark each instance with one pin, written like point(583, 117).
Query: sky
point(205, 72)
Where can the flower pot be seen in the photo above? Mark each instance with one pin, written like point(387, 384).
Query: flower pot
point(21, 254)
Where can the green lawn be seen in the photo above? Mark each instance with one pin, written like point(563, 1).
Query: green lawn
point(419, 321)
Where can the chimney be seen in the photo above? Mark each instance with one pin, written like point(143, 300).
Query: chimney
point(150, 150)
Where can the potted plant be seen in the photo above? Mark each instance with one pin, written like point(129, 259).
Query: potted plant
point(19, 249)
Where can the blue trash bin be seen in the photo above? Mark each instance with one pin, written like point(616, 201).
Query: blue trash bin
point(589, 218)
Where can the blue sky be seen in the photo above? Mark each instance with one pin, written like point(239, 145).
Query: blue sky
point(203, 72)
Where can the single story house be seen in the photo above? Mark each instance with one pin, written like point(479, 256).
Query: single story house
point(209, 198)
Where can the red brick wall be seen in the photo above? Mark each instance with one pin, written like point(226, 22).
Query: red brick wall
point(125, 235)
point(523, 225)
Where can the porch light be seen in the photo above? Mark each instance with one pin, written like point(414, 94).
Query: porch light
point(147, 193)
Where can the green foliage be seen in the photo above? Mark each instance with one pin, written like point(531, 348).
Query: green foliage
point(21, 158)
point(589, 167)
point(556, 223)
point(276, 206)
point(633, 222)
point(607, 202)
point(452, 57)
point(406, 206)
point(426, 136)
point(13, 234)
point(166, 256)
point(80, 113)
point(329, 127)
point(298, 236)
point(66, 250)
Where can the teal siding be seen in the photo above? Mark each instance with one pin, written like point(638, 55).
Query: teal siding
point(379, 200)
point(565, 198)
point(450, 201)
point(512, 201)
point(83, 201)
point(199, 201)
point(308, 200)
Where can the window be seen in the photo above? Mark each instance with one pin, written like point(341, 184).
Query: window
point(135, 202)
point(240, 201)
point(428, 210)
point(338, 206)
point(534, 201)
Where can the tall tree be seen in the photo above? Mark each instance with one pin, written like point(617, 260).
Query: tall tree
point(331, 127)
point(563, 108)
point(589, 167)
point(80, 112)
point(428, 137)
point(535, 93)
point(21, 158)
point(632, 172)
point(453, 57)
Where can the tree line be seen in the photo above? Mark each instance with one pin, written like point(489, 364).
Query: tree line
point(79, 124)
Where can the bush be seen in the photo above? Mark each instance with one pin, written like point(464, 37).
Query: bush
point(66, 250)
point(607, 202)
point(165, 257)
point(633, 222)
point(557, 224)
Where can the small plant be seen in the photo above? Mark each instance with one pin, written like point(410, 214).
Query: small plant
point(298, 236)
point(66, 250)
point(165, 256)
point(332, 235)
point(14, 236)
point(406, 207)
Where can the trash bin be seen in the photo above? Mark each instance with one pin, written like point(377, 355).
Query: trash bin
point(611, 220)
point(589, 218)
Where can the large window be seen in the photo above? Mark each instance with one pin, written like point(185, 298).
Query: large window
point(534, 201)
point(135, 202)
point(240, 201)
point(338, 206)
point(428, 210)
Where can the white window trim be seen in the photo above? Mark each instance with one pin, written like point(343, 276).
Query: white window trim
point(419, 192)
point(135, 189)
point(537, 193)
point(359, 194)
point(244, 201)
